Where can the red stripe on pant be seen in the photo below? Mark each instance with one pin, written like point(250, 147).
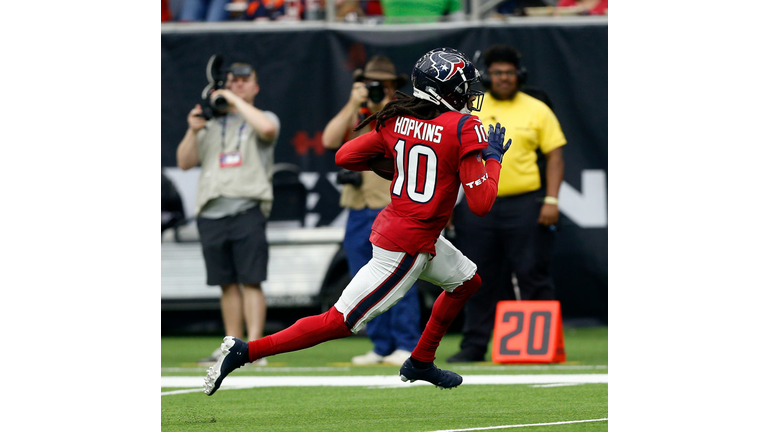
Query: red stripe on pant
point(304, 333)
point(444, 311)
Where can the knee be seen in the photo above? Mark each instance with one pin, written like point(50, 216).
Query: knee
point(335, 319)
point(473, 284)
point(468, 288)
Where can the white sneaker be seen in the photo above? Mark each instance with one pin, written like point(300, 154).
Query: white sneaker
point(398, 357)
point(368, 358)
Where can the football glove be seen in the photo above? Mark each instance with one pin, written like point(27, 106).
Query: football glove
point(496, 149)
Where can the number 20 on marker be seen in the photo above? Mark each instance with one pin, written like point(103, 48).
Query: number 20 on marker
point(528, 332)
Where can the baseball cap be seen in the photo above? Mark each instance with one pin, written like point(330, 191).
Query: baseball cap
point(241, 69)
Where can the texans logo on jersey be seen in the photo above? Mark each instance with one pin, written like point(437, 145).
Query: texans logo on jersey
point(446, 65)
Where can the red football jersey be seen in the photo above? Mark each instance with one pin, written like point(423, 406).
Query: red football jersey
point(427, 156)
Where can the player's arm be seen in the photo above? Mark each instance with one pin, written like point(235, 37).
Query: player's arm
point(355, 154)
point(480, 182)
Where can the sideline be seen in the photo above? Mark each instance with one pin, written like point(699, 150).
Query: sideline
point(346, 367)
point(195, 384)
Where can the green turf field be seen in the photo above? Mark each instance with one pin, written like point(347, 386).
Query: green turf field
point(383, 407)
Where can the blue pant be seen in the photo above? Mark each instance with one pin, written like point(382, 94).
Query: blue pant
point(400, 326)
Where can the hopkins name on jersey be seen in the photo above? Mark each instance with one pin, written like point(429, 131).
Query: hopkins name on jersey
point(418, 129)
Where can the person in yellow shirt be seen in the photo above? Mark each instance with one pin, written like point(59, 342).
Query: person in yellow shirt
point(513, 244)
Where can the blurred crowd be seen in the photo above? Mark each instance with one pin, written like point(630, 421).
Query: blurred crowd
point(373, 11)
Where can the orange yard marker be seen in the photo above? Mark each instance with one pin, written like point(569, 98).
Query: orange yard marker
point(528, 332)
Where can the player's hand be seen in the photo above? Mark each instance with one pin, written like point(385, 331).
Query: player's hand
point(195, 118)
point(359, 94)
point(496, 147)
point(549, 214)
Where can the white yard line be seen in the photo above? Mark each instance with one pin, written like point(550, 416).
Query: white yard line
point(554, 385)
point(264, 369)
point(522, 425)
point(195, 384)
point(492, 367)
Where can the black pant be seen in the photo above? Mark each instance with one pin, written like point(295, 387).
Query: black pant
point(505, 241)
point(235, 248)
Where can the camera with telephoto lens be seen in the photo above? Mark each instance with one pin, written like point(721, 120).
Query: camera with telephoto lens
point(346, 176)
point(214, 106)
point(375, 91)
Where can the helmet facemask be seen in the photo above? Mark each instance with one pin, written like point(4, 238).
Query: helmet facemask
point(474, 97)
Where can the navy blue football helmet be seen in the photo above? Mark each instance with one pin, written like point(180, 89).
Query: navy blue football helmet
point(445, 76)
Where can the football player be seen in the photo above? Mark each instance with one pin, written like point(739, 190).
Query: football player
point(435, 145)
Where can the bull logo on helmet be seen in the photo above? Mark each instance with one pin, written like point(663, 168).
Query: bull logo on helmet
point(446, 65)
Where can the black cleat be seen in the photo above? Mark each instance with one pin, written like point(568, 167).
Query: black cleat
point(234, 353)
point(443, 379)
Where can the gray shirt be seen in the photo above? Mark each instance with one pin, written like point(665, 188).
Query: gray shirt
point(224, 191)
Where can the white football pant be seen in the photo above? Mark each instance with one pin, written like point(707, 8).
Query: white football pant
point(388, 275)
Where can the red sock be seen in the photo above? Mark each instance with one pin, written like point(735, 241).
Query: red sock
point(445, 309)
point(304, 333)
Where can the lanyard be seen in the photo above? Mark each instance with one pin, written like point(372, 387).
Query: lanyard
point(224, 131)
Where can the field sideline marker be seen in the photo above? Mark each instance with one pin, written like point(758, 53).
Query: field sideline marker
point(528, 332)
point(195, 384)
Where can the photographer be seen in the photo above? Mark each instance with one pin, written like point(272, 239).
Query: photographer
point(235, 148)
point(394, 333)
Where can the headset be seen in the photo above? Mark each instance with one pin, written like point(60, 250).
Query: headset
point(485, 80)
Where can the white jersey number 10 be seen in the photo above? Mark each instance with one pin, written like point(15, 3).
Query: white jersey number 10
point(420, 157)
